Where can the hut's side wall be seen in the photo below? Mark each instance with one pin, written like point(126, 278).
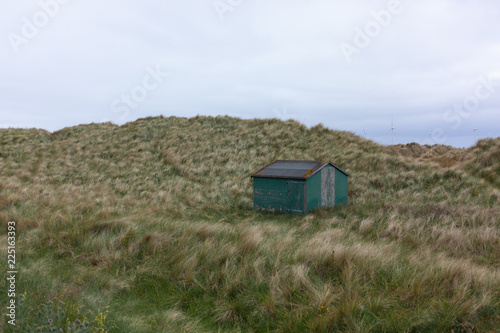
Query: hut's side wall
point(314, 191)
point(340, 187)
point(321, 189)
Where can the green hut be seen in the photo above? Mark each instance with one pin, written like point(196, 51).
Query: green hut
point(296, 187)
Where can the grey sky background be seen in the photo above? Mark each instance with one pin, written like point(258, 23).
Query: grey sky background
point(431, 66)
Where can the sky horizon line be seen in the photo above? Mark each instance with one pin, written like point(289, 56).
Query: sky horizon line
point(382, 140)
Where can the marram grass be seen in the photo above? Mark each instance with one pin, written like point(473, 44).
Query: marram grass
point(149, 227)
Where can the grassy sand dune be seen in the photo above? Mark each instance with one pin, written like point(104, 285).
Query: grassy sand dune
point(149, 227)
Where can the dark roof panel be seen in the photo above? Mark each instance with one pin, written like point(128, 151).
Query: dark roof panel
point(292, 169)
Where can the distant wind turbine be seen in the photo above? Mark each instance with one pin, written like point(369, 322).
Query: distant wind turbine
point(392, 129)
point(475, 137)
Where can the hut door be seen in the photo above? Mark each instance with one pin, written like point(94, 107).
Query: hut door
point(295, 196)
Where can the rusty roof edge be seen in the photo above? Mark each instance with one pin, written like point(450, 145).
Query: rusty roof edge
point(309, 174)
point(256, 172)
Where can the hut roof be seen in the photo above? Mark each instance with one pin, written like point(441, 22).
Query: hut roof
point(293, 169)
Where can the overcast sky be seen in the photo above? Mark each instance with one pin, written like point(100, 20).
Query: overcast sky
point(431, 66)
